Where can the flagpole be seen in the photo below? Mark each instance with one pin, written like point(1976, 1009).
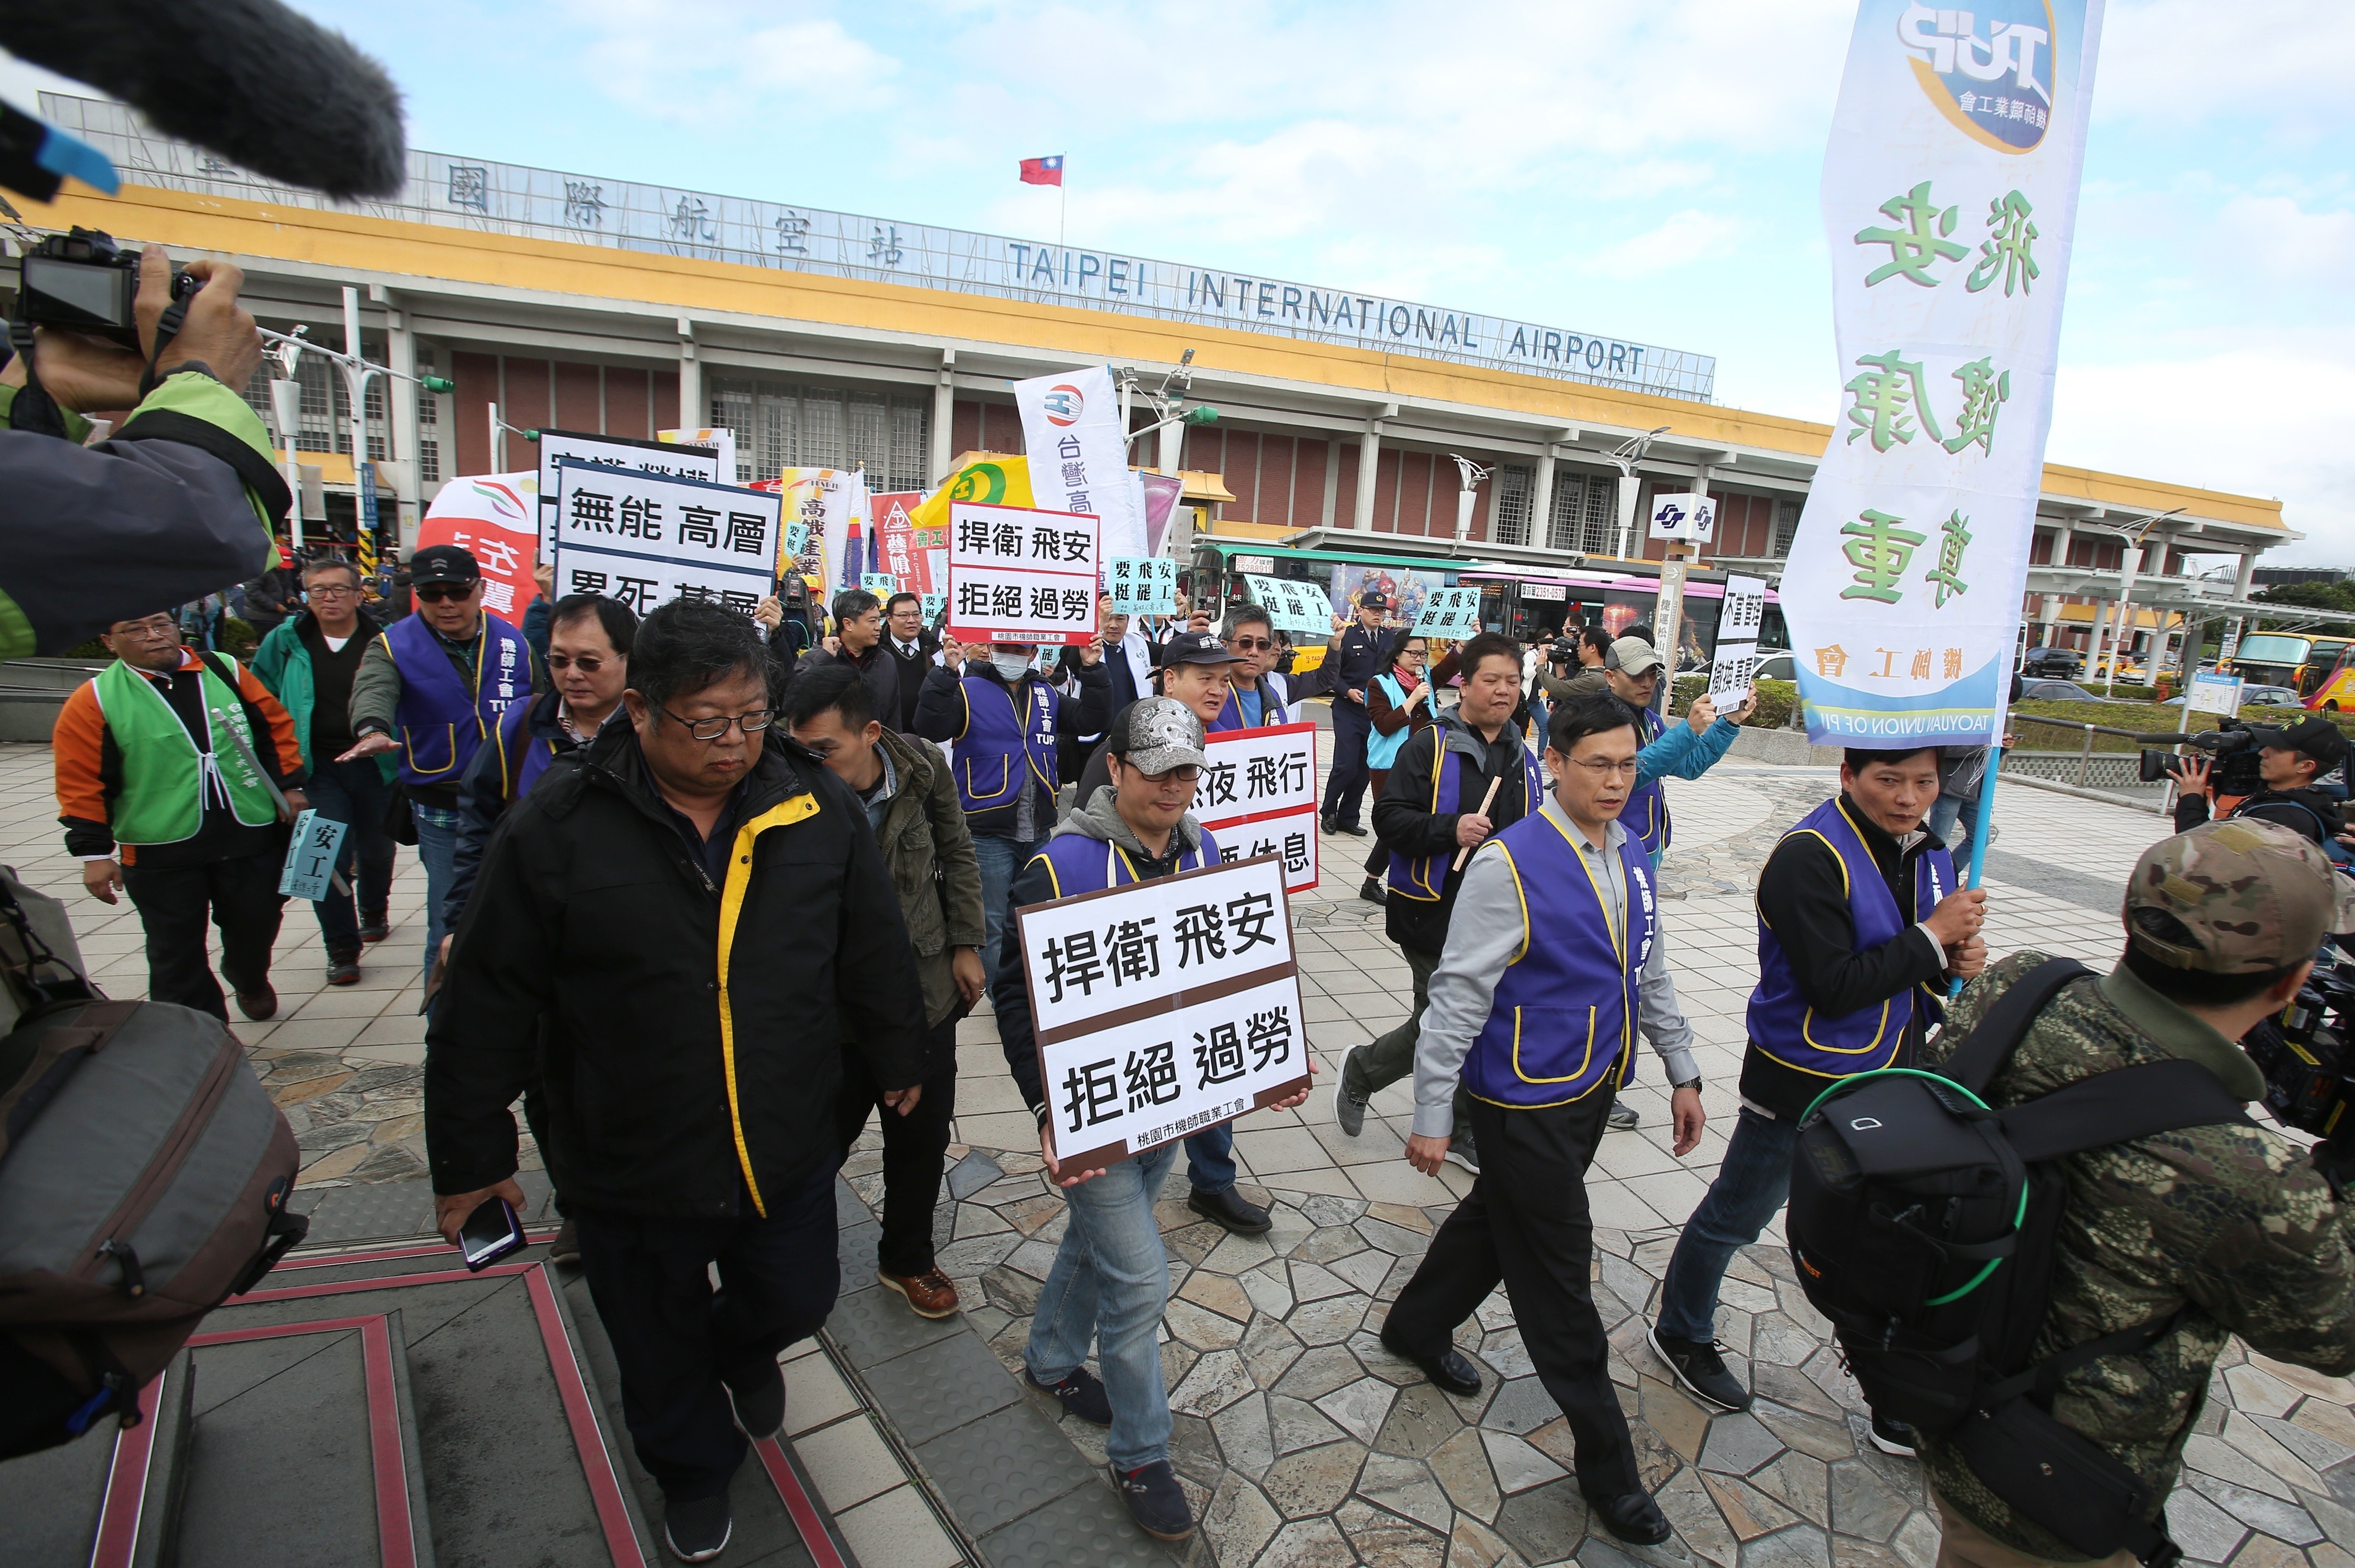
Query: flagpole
point(1982, 829)
point(1062, 208)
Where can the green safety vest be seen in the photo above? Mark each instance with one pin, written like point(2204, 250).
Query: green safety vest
point(165, 775)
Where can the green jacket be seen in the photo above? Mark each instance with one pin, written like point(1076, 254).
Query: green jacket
point(2233, 1222)
point(928, 852)
point(283, 664)
point(176, 505)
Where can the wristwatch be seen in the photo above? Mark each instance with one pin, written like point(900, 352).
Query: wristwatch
point(1691, 1083)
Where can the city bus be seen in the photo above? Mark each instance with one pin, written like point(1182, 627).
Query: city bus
point(2272, 658)
point(1520, 602)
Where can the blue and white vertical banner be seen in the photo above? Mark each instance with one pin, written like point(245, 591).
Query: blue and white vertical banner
point(1079, 453)
point(1949, 199)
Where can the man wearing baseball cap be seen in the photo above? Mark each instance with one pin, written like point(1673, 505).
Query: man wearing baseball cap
point(431, 688)
point(2205, 1232)
point(2290, 761)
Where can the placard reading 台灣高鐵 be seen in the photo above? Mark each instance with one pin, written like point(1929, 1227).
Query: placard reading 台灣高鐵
point(1258, 796)
point(1451, 613)
point(1017, 575)
point(1142, 585)
point(1163, 1006)
point(687, 461)
point(1299, 607)
point(648, 538)
point(311, 856)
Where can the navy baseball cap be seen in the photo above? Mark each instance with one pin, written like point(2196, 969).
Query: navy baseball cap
point(443, 563)
point(1196, 648)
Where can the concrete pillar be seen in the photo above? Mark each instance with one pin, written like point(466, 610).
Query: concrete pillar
point(692, 411)
point(2051, 617)
point(1170, 447)
point(1541, 500)
point(1332, 484)
point(943, 416)
point(400, 345)
point(2247, 577)
point(1370, 454)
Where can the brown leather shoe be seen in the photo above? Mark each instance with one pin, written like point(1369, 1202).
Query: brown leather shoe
point(929, 1294)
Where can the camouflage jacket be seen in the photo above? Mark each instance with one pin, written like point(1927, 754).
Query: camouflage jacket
point(2231, 1221)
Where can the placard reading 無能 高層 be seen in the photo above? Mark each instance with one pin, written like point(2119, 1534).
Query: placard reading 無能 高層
point(311, 856)
point(1258, 796)
point(648, 538)
point(1735, 666)
point(1163, 1006)
point(1017, 575)
point(1142, 585)
point(1450, 613)
point(686, 460)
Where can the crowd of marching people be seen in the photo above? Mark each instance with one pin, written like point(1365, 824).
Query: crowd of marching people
point(710, 896)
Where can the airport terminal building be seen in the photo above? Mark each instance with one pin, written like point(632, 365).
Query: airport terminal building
point(826, 339)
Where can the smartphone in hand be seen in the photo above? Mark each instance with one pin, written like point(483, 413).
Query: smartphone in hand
point(490, 1233)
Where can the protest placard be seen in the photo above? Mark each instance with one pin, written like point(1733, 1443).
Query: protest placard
point(1453, 613)
point(1142, 585)
point(882, 584)
point(897, 545)
point(494, 517)
point(311, 856)
point(648, 538)
point(1021, 576)
point(1163, 1006)
point(1299, 607)
point(1258, 796)
point(1735, 666)
point(797, 538)
point(687, 461)
point(933, 604)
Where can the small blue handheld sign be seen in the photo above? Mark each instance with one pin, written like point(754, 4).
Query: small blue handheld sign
point(882, 584)
point(797, 540)
point(933, 604)
point(311, 857)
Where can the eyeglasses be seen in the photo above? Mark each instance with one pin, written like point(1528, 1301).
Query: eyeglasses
point(331, 592)
point(587, 663)
point(1413, 654)
point(442, 593)
point(1251, 644)
point(1602, 769)
point(155, 629)
point(752, 722)
point(1184, 773)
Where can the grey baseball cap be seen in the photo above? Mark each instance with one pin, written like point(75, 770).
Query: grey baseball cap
point(1153, 735)
point(1633, 656)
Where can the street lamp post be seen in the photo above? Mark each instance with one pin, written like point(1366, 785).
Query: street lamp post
point(1625, 457)
point(1472, 473)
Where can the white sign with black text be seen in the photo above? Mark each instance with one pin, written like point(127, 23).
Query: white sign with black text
point(1735, 664)
point(1258, 796)
point(1302, 608)
point(685, 460)
point(1163, 1006)
point(1017, 575)
point(648, 538)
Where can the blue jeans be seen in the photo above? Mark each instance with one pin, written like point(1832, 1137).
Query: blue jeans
point(1000, 860)
point(437, 847)
point(1947, 810)
point(356, 794)
point(1750, 1185)
point(1109, 1284)
point(1210, 1158)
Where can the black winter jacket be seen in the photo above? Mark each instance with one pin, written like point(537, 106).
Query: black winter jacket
point(691, 1035)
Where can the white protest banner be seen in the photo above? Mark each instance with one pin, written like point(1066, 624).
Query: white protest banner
point(1258, 796)
point(1297, 606)
point(311, 856)
point(1734, 665)
point(2214, 694)
point(1163, 1006)
point(1683, 516)
point(1143, 585)
point(1949, 202)
point(1453, 613)
point(1079, 454)
point(648, 538)
point(616, 451)
point(718, 437)
point(1021, 576)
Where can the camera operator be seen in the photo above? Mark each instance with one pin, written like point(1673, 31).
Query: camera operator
point(2199, 1232)
point(2289, 761)
point(180, 500)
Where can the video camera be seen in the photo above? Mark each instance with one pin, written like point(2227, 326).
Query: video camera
point(2234, 743)
point(1561, 650)
point(85, 282)
point(2302, 1053)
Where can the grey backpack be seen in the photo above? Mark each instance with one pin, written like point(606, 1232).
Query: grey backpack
point(144, 1180)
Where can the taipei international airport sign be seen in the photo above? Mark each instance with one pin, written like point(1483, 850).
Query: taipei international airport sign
point(506, 198)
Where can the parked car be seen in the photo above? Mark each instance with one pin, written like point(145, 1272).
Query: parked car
point(2271, 696)
point(1777, 667)
point(2063, 663)
point(2055, 691)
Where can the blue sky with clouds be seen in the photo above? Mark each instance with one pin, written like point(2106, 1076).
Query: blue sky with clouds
point(1642, 168)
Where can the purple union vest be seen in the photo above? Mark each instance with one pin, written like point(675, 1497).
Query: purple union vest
point(1563, 1021)
point(1081, 864)
point(523, 756)
point(441, 721)
point(1424, 878)
point(1645, 815)
point(1009, 735)
point(1783, 1026)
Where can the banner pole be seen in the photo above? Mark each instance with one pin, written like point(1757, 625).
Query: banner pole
point(1981, 831)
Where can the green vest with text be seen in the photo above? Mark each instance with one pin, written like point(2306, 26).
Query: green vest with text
point(165, 775)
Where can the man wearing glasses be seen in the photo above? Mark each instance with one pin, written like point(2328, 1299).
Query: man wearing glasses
point(683, 930)
point(309, 663)
point(1256, 694)
point(433, 688)
point(160, 785)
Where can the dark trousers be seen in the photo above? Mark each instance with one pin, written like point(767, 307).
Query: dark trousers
point(242, 897)
point(1526, 1222)
point(1378, 859)
point(356, 794)
point(676, 1340)
point(912, 1147)
point(1345, 789)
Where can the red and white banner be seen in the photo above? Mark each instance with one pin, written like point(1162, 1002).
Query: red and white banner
point(495, 517)
point(1017, 575)
point(1258, 796)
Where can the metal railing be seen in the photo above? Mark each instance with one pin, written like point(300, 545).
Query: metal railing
point(2085, 754)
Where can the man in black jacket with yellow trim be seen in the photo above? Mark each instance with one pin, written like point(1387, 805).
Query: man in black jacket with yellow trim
point(685, 928)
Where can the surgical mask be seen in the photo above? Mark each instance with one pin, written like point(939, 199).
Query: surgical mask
point(1013, 666)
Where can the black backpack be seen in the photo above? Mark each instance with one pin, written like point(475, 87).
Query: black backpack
point(1921, 1225)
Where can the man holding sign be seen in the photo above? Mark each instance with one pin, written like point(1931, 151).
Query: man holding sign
point(1111, 1278)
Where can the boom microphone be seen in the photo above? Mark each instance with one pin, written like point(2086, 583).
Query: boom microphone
point(267, 89)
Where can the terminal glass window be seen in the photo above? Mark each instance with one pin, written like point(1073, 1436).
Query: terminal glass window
point(789, 424)
point(1514, 483)
point(1581, 512)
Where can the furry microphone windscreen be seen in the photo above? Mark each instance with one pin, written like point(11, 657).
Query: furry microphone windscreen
point(270, 91)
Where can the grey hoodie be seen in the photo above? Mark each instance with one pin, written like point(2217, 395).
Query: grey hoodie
point(1100, 819)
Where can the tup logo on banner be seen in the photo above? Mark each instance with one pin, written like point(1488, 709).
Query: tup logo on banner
point(1990, 70)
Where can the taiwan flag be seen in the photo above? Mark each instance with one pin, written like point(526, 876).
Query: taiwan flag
point(1043, 171)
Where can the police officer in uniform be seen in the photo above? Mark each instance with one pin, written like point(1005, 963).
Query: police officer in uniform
point(1356, 656)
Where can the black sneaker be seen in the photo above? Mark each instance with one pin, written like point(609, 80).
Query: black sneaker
point(760, 1410)
point(1892, 1436)
point(1231, 1210)
point(374, 927)
point(1156, 1501)
point(1079, 1392)
point(1700, 1370)
point(697, 1531)
point(1623, 1116)
point(344, 971)
point(1464, 1151)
